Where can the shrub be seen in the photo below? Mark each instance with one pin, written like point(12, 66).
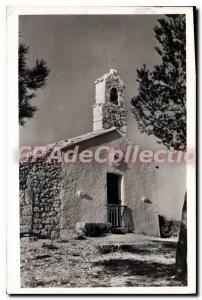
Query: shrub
point(166, 226)
point(92, 229)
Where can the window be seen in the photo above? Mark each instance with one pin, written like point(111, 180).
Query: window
point(114, 96)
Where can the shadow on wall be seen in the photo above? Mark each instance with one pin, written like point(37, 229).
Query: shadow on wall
point(128, 219)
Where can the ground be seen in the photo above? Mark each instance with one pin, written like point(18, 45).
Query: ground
point(110, 261)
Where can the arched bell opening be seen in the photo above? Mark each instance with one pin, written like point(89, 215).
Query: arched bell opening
point(114, 96)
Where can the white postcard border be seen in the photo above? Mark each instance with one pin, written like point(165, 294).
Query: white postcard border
point(13, 241)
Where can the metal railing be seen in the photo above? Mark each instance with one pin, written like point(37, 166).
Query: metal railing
point(115, 214)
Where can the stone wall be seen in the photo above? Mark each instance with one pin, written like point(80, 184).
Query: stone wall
point(107, 114)
point(114, 116)
point(26, 196)
point(40, 198)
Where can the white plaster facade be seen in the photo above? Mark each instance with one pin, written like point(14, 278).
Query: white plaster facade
point(84, 195)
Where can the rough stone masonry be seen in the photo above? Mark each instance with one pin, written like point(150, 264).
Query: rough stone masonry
point(40, 198)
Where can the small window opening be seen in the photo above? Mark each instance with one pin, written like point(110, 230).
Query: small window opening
point(114, 96)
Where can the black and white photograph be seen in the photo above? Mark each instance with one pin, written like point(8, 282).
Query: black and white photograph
point(103, 175)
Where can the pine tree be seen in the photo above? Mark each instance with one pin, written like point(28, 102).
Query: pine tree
point(160, 106)
point(30, 80)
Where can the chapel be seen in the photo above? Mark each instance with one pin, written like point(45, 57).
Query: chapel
point(54, 197)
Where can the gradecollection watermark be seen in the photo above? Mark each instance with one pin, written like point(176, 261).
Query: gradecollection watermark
point(104, 154)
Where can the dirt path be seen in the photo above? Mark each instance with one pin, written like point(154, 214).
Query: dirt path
point(114, 260)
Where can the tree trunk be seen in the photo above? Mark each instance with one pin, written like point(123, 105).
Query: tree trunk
point(181, 255)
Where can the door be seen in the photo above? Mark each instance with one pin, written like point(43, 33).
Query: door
point(113, 189)
point(113, 199)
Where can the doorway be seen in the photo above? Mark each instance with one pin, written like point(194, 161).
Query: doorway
point(113, 189)
point(114, 207)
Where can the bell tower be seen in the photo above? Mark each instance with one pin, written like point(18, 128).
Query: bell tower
point(109, 108)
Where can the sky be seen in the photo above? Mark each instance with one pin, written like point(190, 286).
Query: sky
point(78, 50)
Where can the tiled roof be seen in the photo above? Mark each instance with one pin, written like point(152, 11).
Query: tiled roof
point(81, 138)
